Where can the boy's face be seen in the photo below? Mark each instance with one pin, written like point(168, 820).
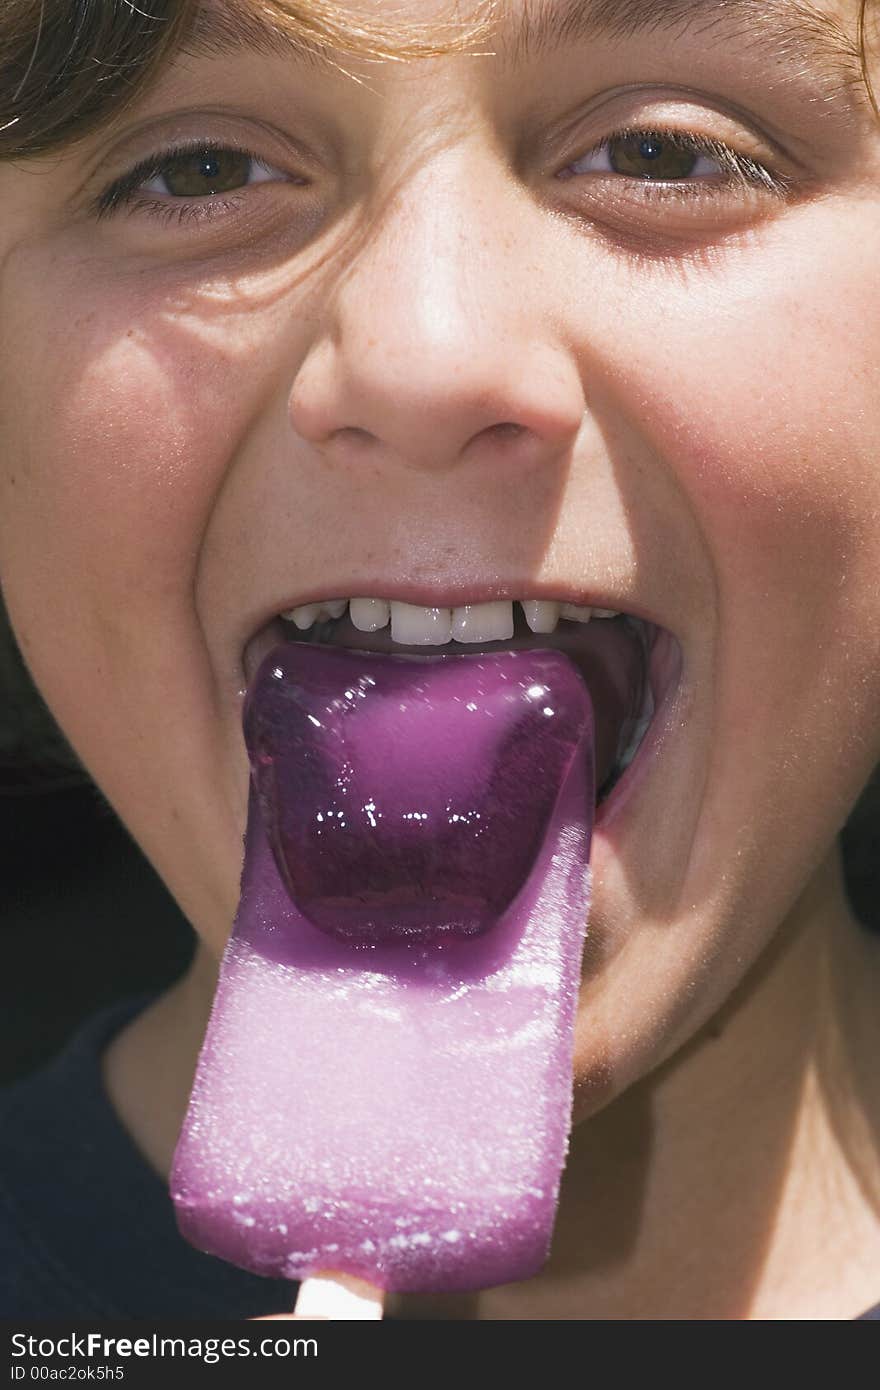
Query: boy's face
point(217, 408)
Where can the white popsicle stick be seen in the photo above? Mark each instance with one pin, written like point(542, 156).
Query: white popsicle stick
point(338, 1296)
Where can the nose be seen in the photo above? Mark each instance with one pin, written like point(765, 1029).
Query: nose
point(437, 343)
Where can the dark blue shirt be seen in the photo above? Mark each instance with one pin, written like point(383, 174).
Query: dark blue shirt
point(87, 1228)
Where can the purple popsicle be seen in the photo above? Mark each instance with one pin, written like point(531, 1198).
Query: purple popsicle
point(385, 1083)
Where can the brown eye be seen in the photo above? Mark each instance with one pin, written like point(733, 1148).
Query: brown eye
point(191, 178)
point(653, 157)
point(649, 156)
point(204, 172)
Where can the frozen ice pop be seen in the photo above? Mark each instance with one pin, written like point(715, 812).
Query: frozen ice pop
point(385, 1083)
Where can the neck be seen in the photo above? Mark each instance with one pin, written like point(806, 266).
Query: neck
point(148, 1068)
point(740, 1180)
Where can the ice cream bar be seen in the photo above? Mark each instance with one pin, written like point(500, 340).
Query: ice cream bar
point(385, 1084)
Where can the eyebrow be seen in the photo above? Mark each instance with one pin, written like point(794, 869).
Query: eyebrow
point(219, 27)
point(806, 44)
point(805, 39)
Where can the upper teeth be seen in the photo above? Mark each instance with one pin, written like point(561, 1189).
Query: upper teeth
point(412, 625)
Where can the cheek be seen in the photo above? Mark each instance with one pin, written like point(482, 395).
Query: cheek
point(766, 410)
point(114, 456)
point(782, 465)
point(775, 428)
point(767, 407)
point(762, 412)
point(786, 472)
point(117, 473)
point(121, 431)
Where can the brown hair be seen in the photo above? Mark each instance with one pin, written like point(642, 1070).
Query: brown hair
point(65, 67)
point(865, 55)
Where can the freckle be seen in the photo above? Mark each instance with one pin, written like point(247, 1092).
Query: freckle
point(12, 479)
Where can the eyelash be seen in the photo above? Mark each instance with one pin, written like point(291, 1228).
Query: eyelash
point(741, 171)
point(123, 192)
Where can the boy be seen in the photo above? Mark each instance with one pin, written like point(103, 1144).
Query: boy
point(580, 312)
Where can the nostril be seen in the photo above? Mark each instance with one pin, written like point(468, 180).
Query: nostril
point(352, 434)
point(504, 436)
point(507, 429)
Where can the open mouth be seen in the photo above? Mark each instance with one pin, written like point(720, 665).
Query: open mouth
point(415, 897)
point(631, 666)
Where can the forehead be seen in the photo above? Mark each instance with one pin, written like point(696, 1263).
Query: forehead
point(621, 13)
point(362, 16)
point(824, 33)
